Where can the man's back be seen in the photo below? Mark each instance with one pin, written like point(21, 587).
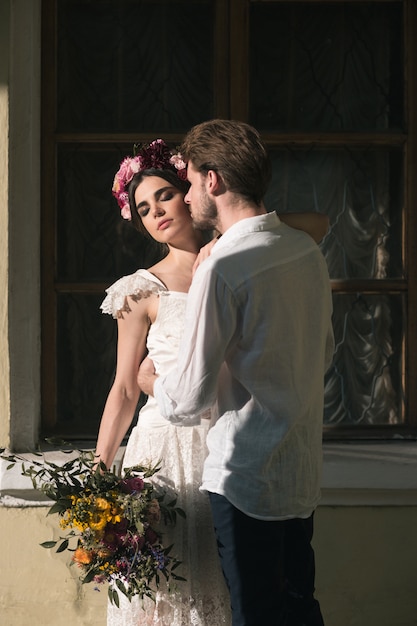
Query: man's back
point(267, 287)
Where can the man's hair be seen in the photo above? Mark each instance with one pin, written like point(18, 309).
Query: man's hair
point(234, 150)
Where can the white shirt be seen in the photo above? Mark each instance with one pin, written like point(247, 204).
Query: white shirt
point(258, 338)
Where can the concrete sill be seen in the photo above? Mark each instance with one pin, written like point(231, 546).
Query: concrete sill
point(370, 474)
point(354, 474)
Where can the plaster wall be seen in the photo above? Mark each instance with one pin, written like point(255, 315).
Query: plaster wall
point(19, 223)
point(366, 570)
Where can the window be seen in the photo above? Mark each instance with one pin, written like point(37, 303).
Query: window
point(330, 87)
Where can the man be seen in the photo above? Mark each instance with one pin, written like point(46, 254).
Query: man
point(257, 342)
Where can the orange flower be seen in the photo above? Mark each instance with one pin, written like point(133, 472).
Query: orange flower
point(83, 556)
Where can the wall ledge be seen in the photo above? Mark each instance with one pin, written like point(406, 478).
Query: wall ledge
point(354, 474)
point(369, 474)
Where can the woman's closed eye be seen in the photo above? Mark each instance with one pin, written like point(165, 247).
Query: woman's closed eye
point(167, 195)
point(143, 211)
point(163, 195)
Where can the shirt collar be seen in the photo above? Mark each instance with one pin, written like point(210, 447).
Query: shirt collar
point(258, 223)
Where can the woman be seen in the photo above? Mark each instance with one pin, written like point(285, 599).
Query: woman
point(150, 306)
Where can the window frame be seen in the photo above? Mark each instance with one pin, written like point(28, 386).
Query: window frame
point(408, 142)
point(51, 140)
point(231, 55)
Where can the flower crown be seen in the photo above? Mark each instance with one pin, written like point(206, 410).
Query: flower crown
point(156, 155)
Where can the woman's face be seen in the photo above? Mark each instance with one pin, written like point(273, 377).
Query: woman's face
point(162, 210)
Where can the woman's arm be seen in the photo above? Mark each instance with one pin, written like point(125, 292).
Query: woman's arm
point(315, 224)
point(124, 395)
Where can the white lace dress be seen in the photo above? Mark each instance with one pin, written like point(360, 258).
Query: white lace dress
point(203, 599)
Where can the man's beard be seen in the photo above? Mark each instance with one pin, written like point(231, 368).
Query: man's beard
point(207, 214)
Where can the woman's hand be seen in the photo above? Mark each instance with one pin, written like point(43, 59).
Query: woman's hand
point(204, 253)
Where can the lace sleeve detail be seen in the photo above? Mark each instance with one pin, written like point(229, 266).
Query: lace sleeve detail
point(139, 285)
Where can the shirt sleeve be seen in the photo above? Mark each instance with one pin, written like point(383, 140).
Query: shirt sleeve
point(210, 326)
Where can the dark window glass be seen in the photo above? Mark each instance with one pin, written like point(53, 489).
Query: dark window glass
point(94, 243)
point(323, 66)
point(360, 189)
point(134, 65)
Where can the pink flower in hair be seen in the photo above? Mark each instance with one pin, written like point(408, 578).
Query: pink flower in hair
point(125, 211)
point(180, 165)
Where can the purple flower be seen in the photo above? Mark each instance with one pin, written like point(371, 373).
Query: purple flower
point(132, 485)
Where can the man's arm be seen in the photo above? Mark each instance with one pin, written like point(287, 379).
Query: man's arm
point(191, 386)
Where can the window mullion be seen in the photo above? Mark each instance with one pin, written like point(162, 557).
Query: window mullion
point(239, 59)
point(48, 201)
point(410, 221)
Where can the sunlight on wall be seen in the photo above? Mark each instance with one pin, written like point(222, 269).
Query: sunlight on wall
point(4, 256)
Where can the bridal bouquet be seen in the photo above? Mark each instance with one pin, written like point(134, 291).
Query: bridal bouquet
point(113, 523)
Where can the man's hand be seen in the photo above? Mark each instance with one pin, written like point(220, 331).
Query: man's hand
point(146, 376)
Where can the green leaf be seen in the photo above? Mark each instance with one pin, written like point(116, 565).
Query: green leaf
point(115, 598)
point(57, 508)
point(48, 544)
point(176, 564)
point(88, 577)
point(168, 549)
point(120, 586)
point(63, 546)
point(101, 467)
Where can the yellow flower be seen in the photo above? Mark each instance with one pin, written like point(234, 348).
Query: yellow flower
point(65, 519)
point(98, 521)
point(102, 504)
point(115, 515)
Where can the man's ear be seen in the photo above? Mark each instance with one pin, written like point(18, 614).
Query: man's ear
point(214, 183)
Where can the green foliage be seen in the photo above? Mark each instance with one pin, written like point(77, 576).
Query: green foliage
point(113, 522)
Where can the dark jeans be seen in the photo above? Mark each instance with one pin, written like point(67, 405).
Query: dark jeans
point(268, 566)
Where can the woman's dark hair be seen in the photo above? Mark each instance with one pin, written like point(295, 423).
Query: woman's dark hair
point(169, 175)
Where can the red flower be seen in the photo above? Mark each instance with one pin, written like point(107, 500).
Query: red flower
point(131, 485)
point(151, 536)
